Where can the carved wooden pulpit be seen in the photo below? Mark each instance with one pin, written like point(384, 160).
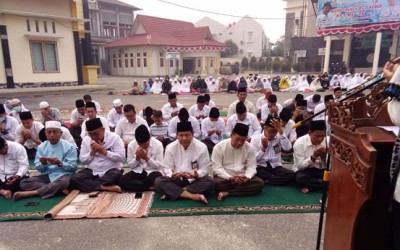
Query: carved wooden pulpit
point(357, 215)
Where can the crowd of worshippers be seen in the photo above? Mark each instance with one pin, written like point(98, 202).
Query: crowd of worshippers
point(253, 83)
point(178, 152)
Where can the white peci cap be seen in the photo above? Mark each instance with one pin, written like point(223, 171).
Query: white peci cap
point(43, 105)
point(53, 124)
point(117, 103)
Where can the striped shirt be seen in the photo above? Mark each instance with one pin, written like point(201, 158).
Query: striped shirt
point(162, 129)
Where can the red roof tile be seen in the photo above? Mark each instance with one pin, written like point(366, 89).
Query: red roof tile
point(167, 32)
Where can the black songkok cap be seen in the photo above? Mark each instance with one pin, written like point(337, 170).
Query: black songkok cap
point(285, 114)
point(201, 99)
point(90, 105)
point(2, 109)
point(184, 126)
point(269, 120)
point(337, 89)
point(240, 108)
point(299, 97)
point(79, 103)
point(207, 97)
point(316, 98)
point(317, 125)
point(93, 124)
point(328, 97)
point(26, 115)
point(242, 89)
point(302, 103)
point(214, 113)
point(2, 143)
point(183, 114)
point(148, 111)
point(142, 134)
point(241, 129)
point(42, 135)
point(272, 98)
point(171, 96)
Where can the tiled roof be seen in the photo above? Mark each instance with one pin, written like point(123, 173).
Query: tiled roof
point(167, 32)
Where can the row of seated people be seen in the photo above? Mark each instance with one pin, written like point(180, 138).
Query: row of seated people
point(240, 168)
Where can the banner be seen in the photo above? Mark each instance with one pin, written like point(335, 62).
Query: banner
point(352, 12)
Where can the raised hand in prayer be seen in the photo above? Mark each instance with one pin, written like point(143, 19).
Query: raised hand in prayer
point(43, 160)
point(54, 161)
point(190, 175)
point(217, 131)
point(97, 148)
point(141, 154)
point(26, 134)
point(160, 137)
point(389, 69)
point(176, 175)
point(264, 143)
point(320, 151)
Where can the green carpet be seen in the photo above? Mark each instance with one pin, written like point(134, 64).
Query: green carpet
point(17, 210)
point(273, 199)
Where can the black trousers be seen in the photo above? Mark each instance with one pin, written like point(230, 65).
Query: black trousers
point(210, 145)
point(395, 230)
point(253, 187)
point(86, 182)
point(275, 176)
point(14, 187)
point(135, 182)
point(31, 152)
point(174, 188)
point(310, 178)
point(76, 134)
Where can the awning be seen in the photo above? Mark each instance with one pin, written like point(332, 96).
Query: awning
point(358, 30)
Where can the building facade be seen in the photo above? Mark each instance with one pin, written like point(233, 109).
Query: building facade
point(247, 34)
point(37, 40)
point(109, 21)
point(159, 46)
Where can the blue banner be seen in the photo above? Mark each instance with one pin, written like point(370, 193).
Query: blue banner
point(352, 12)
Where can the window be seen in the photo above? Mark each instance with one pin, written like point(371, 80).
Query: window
point(198, 63)
point(138, 62)
point(132, 62)
point(126, 63)
point(28, 25)
point(161, 62)
point(53, 25)
point(177, 63)
point(211, 63)
point(250, 37)
point(171, 63)
point(44, 57)
point(37, 25)
point(145, 62)
point(114, 63)
point(131, 54)
point(45, 26)
point(120, 63)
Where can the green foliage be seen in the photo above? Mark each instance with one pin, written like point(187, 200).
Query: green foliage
point(245, 63)
point(268, 63)
point(261, 64)
point(253, 61)
point(232, 49)
point(285, 65)
point(277, 50)
point(276, 65)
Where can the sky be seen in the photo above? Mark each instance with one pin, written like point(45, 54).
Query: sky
point(271, 13)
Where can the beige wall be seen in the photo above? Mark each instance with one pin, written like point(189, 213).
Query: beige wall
point(19, 41)
point(153, 61)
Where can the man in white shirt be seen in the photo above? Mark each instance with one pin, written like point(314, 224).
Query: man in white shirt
point(17, 108)
point(312, 102)
point(183, 116)
point(326, 18)
point(103, 153)
point(322, 106)
point(8, 125)
point(263, 99)
point(212, 129)
point(310, 158)
point(210, 103)
point(115, 114)
point(28, 133)
point(91, 113)
point(159, 129)
point(244, 117)
point(199, 110)
point(287, 124)
point(13, 167)
point(186, 164)
point(78, 116)
point(272, 107)
point(268, 147)
point(88, 98)
point(49, 113)
point(242, 95)
point(145, 155)
point(171, 109)
point(126, 127)
point(234, 164)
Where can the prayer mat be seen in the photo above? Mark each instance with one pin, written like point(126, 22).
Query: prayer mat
point(33, 208)
point(105, 205)
point(273, 199)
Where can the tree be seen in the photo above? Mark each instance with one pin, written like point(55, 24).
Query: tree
point(232, 49)
point(261, 64)
point(253, 61)
point(285, 65)
point(245, 63)
point(276, 66)
point(268, 63)
point(277, 50)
